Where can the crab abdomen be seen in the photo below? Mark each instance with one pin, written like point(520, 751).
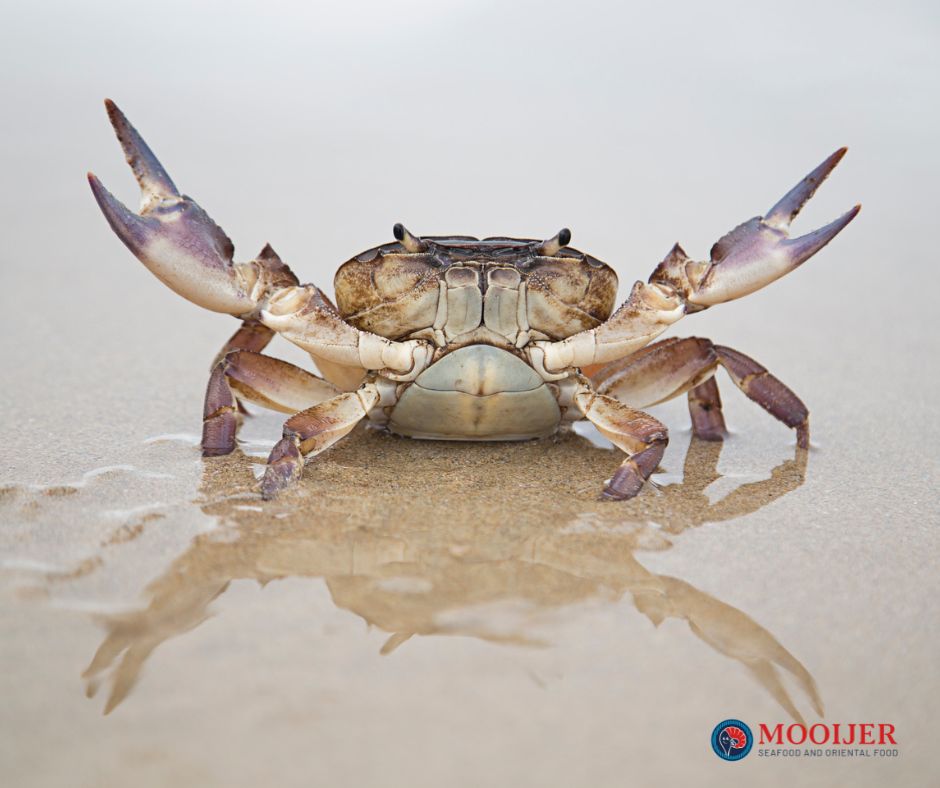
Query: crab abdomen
point(478, 392)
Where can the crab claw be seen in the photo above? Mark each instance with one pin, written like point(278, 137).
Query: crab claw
point(759, 251)
point(172, 235)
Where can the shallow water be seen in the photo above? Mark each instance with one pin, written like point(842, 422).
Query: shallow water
point(419, 613)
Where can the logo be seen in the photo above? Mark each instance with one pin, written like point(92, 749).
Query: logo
point(732, 740)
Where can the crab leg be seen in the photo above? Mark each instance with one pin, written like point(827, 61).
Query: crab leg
point(184, 248)
point(311, 431)
point(672, 367)
point(262, 380)
point(657, 372)
point(708, 423)
point(768, 392)
point(251, 335)
point(665, 370)
point(269, 382)
point(747, 258)
point(641, 436)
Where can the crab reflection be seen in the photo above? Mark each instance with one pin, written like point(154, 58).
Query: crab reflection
point(453, 537)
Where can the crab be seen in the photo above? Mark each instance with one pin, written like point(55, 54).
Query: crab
point(459, 339)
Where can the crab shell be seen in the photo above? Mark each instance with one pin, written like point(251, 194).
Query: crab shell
point(479, 303)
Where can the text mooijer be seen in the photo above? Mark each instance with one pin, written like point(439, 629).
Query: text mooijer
point(835, 733)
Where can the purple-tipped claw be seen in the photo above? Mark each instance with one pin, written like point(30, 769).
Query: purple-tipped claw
point(759, 251)
point(175, 238)
point(787, 208)
point(135, 231)
point(154, 181)
point(801, 249)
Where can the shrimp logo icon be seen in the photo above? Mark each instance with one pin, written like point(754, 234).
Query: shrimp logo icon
point(732, 740)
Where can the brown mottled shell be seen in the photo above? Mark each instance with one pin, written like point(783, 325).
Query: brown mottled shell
point(394, 293)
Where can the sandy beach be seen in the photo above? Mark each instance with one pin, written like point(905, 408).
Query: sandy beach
point(429, 613)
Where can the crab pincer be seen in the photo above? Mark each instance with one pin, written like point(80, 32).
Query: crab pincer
point(757, 252)
point(172, 235)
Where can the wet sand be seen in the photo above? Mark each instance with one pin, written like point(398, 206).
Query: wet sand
point(421, 613)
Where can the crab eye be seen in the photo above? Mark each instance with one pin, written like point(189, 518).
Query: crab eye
point(411, 242)
point(552, 246)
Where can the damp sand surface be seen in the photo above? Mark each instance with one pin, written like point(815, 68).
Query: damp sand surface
point(422, 613)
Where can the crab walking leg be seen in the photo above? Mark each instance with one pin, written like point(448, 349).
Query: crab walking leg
point(768, 392)
point(658, 372)
point(665, 370)
point(251, 335)
point(675, 366)
point(313, 430)
point(219, 423)
point(746, 259)
point(184, 248)
point(638, 434)
point(708, 423)
point(265, 381)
